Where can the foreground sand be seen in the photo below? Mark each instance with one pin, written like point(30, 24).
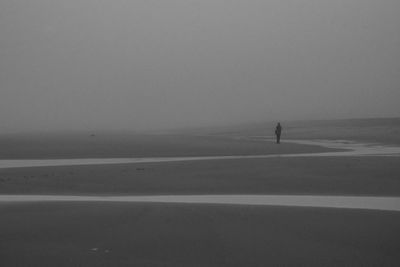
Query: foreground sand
point(115, 234)
point(149, 234)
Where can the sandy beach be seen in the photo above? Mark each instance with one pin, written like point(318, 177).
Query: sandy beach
point(99, 233)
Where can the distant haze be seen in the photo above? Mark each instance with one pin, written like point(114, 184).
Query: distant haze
point(147, 64)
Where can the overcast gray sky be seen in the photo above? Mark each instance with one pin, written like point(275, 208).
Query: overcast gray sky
point(143, 64)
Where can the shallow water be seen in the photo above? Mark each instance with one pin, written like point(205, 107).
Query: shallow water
point(348, 202)
point(351, 149)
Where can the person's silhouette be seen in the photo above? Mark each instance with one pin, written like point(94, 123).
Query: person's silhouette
point(278, 131)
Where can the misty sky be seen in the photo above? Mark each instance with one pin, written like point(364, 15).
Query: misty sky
point(144, 64)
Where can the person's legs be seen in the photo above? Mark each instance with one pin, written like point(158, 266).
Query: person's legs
point(278, 138)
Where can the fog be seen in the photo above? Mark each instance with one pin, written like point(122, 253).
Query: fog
point(146, 64)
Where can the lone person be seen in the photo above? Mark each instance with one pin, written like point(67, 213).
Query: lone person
point(278, 131)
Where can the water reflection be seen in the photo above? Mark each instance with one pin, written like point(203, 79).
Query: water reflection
point(348, 202)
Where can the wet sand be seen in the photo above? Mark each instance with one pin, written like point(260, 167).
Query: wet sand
point(368, 176)
point(178, 234)
point(173, 234)
point(129, 234)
